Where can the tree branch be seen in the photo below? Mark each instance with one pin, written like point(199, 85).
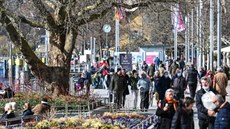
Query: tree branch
point(20, 41)
point(41, 7)
point(91, 7)
point(25, 20)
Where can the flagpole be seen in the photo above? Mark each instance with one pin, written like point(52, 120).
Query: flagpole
point(200, 33)
point(186, 39)
point(117, 38)
point(175, 32)
point(211, 35)
point(192, 31)
point(219, 34)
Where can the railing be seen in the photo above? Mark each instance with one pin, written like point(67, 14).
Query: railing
point(146, 123)
point(77, 110)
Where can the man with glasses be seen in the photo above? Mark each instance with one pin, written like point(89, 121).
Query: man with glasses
point(205, 116)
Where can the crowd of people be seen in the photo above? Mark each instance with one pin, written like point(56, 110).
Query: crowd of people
point(169, 84)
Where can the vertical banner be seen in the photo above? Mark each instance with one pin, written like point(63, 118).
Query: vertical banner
point(126, 61)
point(150, 56)
point(177, 18)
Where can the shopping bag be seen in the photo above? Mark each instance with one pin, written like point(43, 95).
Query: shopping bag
point(207, 100)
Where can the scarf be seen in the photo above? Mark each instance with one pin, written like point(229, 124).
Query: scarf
point(173, 101)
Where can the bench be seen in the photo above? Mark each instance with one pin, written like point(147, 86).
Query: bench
point(102, 94)
point(18, 121)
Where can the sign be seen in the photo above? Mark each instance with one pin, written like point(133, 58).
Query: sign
point(150, 56)
point(126, 61)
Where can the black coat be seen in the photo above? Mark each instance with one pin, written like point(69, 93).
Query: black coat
point(127, 79)
point(165, 116)
point(27, 112)
point(182, 119)
point(192, 75)
point(202, 111)
point(164, 84)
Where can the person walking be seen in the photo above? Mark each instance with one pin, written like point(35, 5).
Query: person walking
point(126, 89)
point(166, 109)
point(183, 118)
point(192, 80)
point(145, 86)
point(223, 116)
point(179, 85)
point(134, 90)
point(151, 70)
point(117, 87)
point(107, 82)
point(220, 82)
point(206, 117)
point(164, 84)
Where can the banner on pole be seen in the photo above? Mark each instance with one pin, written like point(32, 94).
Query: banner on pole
point(177, 18)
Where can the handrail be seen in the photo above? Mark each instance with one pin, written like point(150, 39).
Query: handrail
point(141, 125)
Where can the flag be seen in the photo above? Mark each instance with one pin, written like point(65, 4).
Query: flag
point(120, 11)
point(177, 19)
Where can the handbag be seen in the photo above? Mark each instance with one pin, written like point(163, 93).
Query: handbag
point(156, 122)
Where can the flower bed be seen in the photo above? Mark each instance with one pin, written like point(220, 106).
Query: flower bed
point(33, 98)
point(107, 121)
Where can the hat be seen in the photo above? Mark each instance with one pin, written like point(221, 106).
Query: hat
point(118, 69)
point(44, 100)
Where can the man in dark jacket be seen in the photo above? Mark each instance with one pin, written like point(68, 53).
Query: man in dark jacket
point(117, 87)
point(179, 85)
point(223, 117)
point(192, 80)
point(126, 89)
point(205, 116)
point(134, 90)
point(164, 84)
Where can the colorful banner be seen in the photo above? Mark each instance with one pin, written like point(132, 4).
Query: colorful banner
point(177, 19)
point(150, 56)
point(126, 61)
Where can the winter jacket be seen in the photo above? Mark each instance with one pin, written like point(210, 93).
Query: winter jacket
point(27, 112)
point(165, 116)
point(202, 111)
point(151, 70)
point(133, 82)
point(164, 84)
point(223, 117)
point(192, 75)
point(179, 85)
point(220, 83)
point(182, 119)
point(126, 89)
point(117, 83)
point(173, 69)
point(8, 115)
point(41, 109)
point(144, 84)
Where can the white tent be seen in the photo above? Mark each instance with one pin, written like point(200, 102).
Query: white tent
point(226, 49)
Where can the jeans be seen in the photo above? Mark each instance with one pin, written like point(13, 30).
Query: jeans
point(135, 95)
